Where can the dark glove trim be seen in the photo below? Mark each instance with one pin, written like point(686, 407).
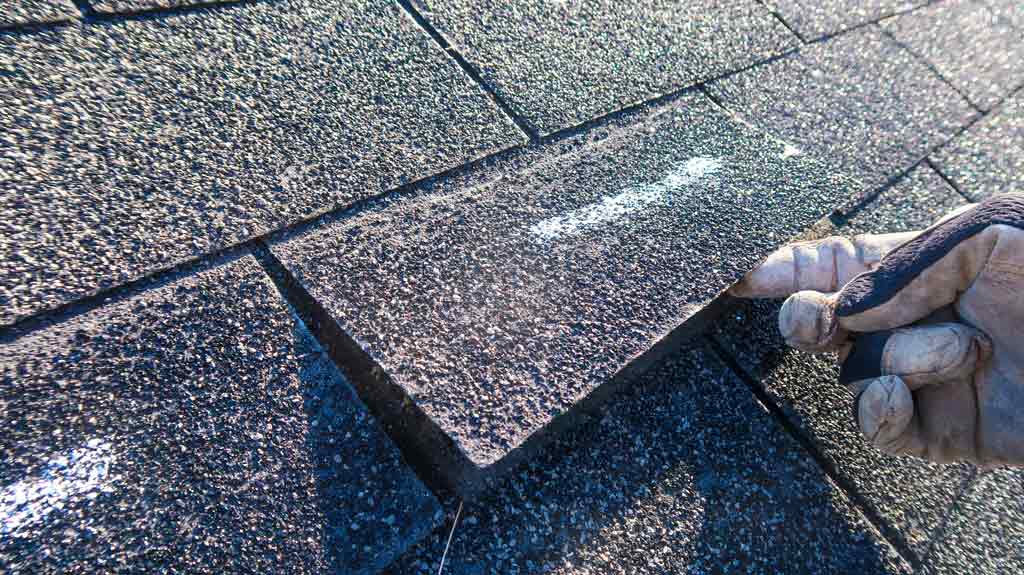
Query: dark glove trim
point(865, 359)
point(904, 263)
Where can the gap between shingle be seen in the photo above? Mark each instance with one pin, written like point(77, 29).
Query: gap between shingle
point(469, 69)
point(931, 67)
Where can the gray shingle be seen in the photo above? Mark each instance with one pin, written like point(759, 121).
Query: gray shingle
point(986, 533)
point(15, 12)
point(813, 19)
point(195, 427)
point(559, 64)
point(859, 101)
point(914, 203)
point(912, 496)
point(115, 6)
point(682, 473)
point(1011, 11)
point(128, 146)
point(979, 54)
point(499, 302)
point(988, 158)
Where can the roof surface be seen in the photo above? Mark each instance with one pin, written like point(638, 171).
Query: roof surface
point(282, 283)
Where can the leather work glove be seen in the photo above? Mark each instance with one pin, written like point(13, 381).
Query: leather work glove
point(928, 326)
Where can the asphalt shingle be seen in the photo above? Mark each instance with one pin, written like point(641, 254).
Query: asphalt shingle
point(912, 496)
point(122, 6)
point(500, 301)
point(813, 19)
point(913, 203)
point(683, 473)
point(859, 101)
point(985, 534)
point(988, 158)
point(558, 64)
point(981, 55)
point(16, 12)
point(127, 146)
point(1011, 11)
point(195, 427)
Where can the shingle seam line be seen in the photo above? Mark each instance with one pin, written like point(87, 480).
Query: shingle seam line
point(470, 70)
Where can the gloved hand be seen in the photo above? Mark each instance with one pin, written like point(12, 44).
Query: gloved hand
point(929, 327)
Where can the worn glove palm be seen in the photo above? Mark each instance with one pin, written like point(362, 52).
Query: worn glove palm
point(927, 324)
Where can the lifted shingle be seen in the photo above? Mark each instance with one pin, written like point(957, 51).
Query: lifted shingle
point(559, 64)
point(496, 304)
point(196, 428)
point(127, 146)
point(858, 101)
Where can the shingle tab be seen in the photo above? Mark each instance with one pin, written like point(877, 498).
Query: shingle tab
point(184, 133)
point(981, 55)
point(989, 158)
point(559, 64)
point(16, 12)
point(859, 101)
point(499, 302)
point(912, 496)
point(683, 473)
point(813, 19)
point(195, 427)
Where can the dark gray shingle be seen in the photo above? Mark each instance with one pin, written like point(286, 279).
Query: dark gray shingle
point(988, 158)
point(559, 64)
point(195, 427)
point(115, 6)
point(16, 12)
point(813, 19)
point(683, 473)
point(860, 102)
point(127, 146)
point(985, 534)
point(981, 55)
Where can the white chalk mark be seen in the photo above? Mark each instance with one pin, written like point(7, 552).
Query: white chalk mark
point(789, 151)
point(630, 200)
point(81, 474)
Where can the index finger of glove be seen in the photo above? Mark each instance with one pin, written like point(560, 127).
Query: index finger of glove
point(821, 265)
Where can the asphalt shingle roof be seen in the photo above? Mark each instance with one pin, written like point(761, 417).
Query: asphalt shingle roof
point(684, 472)
point(968, 45)
point(485, 214)
point(132, 145)
point(559, 64)
point(989, 157)
point(859, 101)
point(195, 427)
